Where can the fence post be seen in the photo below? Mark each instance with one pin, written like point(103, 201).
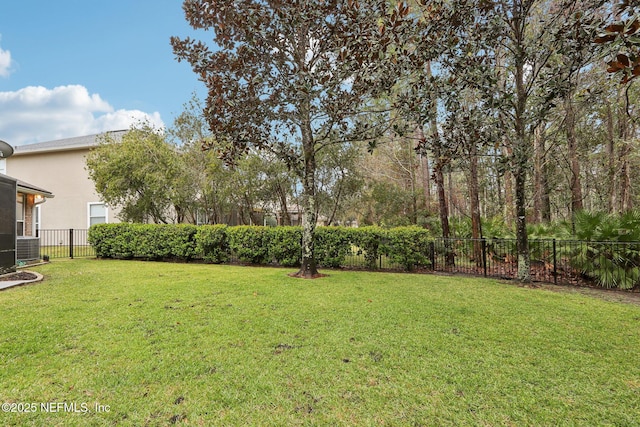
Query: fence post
point(555, 267)
point(71, 243)
point(484, 256)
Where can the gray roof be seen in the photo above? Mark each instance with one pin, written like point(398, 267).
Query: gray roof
point(25, 187)
point(67, 144)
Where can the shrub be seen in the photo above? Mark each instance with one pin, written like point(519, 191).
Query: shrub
point(150, 241)
point(113, 240)
point(607, 256)
point(212, 243)
point(366, 241)
point(147, 242)
point(285, 245)
point(250, 243)
point(180, 238)
point(332, 244)
point(407, 246)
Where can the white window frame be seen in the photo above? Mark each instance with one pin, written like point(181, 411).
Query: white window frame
point(3, 166)
point(106, 212)
point(20, 231)
point(37, 220)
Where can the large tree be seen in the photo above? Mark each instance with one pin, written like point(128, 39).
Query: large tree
point(139, 173)
point(290, 77)
point(511, 56)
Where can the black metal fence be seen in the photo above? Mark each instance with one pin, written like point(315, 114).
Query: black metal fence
point(65, 243)
point(575, 262)
point(605, 264)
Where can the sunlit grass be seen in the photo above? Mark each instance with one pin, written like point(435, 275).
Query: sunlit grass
point(162, 344)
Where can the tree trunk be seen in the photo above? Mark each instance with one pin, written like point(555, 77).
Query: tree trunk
point(336, 203)
point(521, 155)
point(438, 177)
point(500, 201)
point(611, 171)
point(541, 201)
point(308, 268)
point(282, 195)
point(538, 159)
point(452, 195)
point(524, 262)
point(412, 183)
point(570, 128)
point(624, 178)
point(509, 213)
point(474, 198)
point(426, 176)
point(546, 199)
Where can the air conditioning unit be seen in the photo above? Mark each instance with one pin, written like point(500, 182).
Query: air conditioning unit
point(27, 248)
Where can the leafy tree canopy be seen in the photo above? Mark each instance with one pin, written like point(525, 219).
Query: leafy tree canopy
point(137, 173)
point(291, 78)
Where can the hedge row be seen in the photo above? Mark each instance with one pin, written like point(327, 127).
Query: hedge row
point(407, 247)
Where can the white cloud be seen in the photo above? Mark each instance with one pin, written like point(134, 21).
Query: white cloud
point(35, 114)
point(5, 63)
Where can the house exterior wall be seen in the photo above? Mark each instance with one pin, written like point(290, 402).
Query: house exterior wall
point(64, 174)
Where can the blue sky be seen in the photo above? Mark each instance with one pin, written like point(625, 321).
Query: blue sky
point(76, 67)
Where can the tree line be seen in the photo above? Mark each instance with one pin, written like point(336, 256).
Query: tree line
point(415, 112)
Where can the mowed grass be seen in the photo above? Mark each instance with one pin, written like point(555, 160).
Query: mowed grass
point(179, 344)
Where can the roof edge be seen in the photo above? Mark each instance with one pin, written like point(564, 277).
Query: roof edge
point(66, 144)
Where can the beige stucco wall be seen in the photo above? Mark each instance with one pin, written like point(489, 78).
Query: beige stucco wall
point(63, 174)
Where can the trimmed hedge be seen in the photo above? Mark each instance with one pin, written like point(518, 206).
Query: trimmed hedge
point(212, 243)
point(285, 245)
point(112, 240)
point(332, 244)
point(250, 243)
point(407, 247)
point(367, 240)
point(147, 241)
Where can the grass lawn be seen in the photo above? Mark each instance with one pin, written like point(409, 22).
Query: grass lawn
point(162, 344)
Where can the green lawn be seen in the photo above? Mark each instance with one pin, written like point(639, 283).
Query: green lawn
point(162, 344)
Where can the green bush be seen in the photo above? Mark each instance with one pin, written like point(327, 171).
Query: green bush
point(608, 256)
point(212, 243)
point(332, 244)
point(250, 243)
point(366, 241)
point(285, 245)
point(182, 238)
point(407, 246)
point(149, 241)
point(113, 240)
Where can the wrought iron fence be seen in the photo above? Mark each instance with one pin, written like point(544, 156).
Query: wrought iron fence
point(605, 264)
point(576, 262)
point(65, 243)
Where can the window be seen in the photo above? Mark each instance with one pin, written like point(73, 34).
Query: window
point(3, 166)
point(97, 213)
point(20, 214)
point(37, 220)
